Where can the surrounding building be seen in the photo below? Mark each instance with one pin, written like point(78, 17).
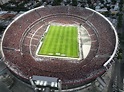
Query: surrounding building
point(4, 1)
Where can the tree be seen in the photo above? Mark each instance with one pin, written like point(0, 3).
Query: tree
point(74, 2)
point(114, 1)
point(108, 8)
point(119, 54)
point(2, 28)
point(89, 1)
point(92, 6)
point(121, 2)
point(120, 18)
point(56, 2)
point(102, 1)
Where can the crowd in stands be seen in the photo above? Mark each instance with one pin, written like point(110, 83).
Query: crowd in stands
point(105, 33)
point(32, 26)
point(58, 10)
point(81, 12)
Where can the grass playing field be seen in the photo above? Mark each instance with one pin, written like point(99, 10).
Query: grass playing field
point(60, 41)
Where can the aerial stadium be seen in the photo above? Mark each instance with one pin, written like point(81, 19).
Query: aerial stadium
point(73, 44)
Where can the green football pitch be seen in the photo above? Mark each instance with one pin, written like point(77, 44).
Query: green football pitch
point(60, 41)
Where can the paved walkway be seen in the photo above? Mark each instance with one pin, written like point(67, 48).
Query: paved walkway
point(3, 88)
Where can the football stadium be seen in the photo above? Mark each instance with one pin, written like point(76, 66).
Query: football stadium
point(74, 44)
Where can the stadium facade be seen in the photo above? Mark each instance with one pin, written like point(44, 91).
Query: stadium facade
point(98, 38)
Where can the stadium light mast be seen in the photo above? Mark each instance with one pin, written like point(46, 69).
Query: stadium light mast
point(45, 84)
